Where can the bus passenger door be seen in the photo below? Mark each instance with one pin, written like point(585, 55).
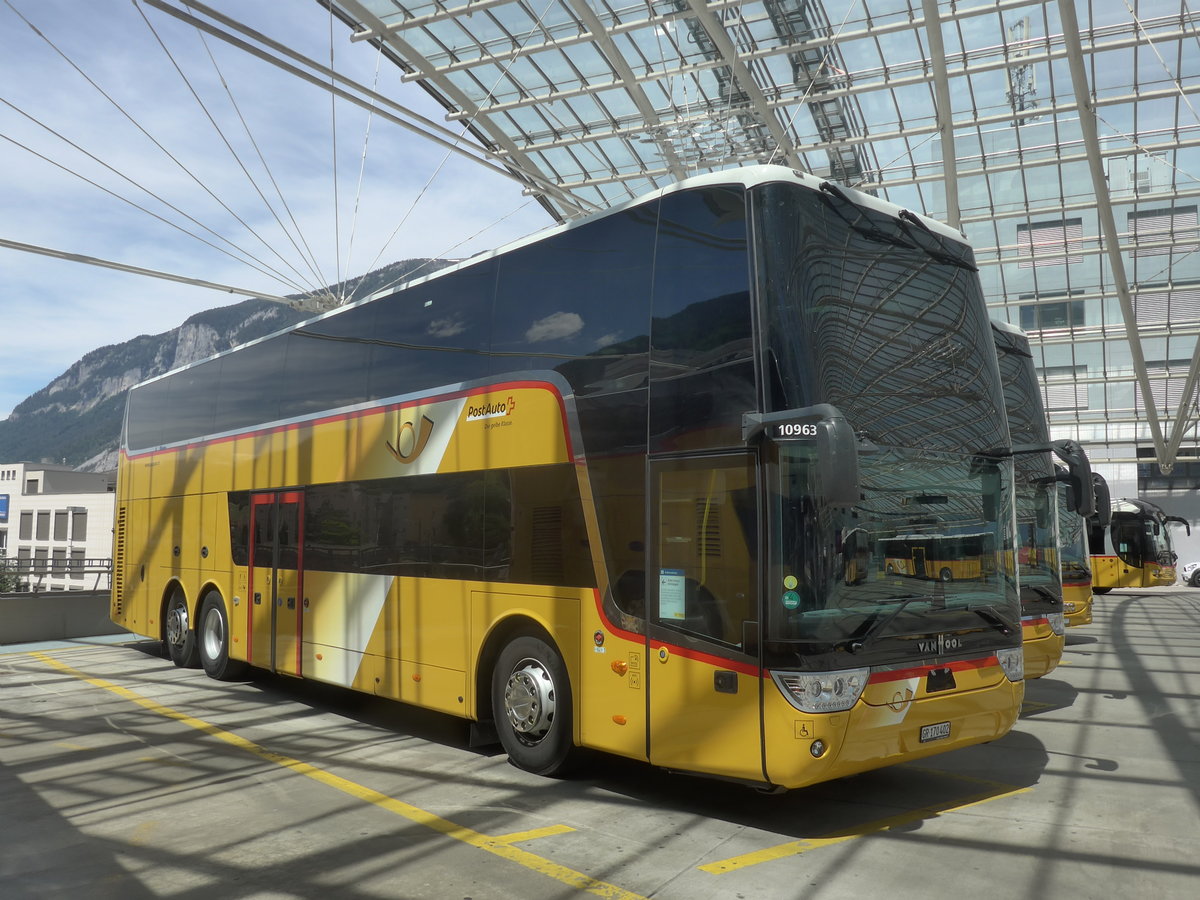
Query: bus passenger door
point(702, 594)
point(276, 581)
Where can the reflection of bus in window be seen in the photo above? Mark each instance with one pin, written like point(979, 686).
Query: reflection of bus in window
point(1076, 564)
point(1135, 550)
point(941, 557)
point(610, 488)
point(1042, 621)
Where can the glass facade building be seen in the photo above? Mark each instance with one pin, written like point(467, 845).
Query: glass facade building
point(1061, 136)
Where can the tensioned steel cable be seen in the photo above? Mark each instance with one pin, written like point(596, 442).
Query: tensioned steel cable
point(812, 81)
point(337, 212)
point(228, 146)
point(362, 166)
point(1162, 62)
point(306, 253)
point(442, 255)
point(466, 125)
point(261, 266)
point(141, 129)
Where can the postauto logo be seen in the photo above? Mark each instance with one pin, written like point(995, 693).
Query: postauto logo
point(490, 409)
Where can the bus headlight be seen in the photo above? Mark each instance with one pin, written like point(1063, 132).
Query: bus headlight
point(1058, 623)
point(821, 692)
point(1012, 661)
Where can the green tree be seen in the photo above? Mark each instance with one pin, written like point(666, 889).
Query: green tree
point(8, 578)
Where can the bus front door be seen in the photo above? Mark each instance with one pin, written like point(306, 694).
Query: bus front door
point(702, 599)
point(275, 626)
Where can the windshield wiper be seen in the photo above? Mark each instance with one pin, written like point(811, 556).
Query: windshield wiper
point(870, 230)
point(941, 254)
point(989, 614)
point(876, 628)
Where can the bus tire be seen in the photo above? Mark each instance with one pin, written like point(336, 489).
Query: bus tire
point(212, 634)
point(1100, 590)
point(531, 702)
point(946, 574)
point(179, 636)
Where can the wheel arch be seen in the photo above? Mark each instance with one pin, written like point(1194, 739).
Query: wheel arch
point(173, 585)
point(504, 631)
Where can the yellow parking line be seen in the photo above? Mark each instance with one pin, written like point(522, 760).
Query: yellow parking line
point(499, 846)
point(793, 848)
point(533, 834)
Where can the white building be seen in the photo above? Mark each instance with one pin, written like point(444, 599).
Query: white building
point(56, 525)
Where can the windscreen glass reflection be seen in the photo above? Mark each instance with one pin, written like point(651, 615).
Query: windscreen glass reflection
point(926, 550)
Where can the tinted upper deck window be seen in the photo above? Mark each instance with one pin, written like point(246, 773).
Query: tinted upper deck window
point(433, 333)
point(583, 294)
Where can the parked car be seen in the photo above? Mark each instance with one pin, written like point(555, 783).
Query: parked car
point(1190, 574)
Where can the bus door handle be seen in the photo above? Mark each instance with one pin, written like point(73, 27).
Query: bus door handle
point(257, 599)
point(291, 602)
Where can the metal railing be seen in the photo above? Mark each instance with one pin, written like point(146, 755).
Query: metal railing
point(29, 575)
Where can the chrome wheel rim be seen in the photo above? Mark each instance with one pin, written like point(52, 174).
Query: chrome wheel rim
point(213, 634)
point(177, 624)
point(529, 700)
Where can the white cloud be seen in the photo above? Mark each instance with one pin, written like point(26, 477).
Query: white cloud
point(55, 311)
point(555, 327)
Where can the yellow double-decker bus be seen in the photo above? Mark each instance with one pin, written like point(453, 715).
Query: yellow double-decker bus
point(625, 487)
point(1038, 558)
point(1073, 549)
point(1134, 550)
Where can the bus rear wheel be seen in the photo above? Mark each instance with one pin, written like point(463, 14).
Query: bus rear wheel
point(946, 574)
point(178, 634)
point(531, 702)
point(213, 633)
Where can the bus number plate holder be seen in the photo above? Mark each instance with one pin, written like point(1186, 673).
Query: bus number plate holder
point(940, 680)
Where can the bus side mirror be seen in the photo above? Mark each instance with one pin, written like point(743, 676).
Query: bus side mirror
point(1103, 500)
point(832, 437)
point(1079, 474)
point(837, 460)
point(1179, 520)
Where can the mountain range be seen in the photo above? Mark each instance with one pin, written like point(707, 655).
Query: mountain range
point(76, 418)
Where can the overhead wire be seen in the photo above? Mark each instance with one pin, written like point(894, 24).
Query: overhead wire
point(337, 217)
point(232, 151)
point(362, 166)
point(466, 126)
point(259, 265)
point(306, 253)
point(137, 125)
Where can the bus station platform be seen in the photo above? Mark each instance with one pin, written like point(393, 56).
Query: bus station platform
point(122, 776)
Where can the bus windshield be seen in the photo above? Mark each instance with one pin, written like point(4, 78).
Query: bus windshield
point(930, 533)
point(1072, 536)
point(886, 324)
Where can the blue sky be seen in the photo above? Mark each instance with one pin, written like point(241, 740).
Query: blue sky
point(54, 311)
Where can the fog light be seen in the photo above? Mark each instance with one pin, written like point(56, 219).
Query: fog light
point(817, 749)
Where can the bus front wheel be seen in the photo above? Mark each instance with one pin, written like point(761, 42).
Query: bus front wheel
point(178, 634)
point(531, 702)
point(213, 632)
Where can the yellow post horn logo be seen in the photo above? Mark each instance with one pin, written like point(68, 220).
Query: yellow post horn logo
point(410, 443)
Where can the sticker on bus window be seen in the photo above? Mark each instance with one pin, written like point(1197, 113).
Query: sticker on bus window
point(671, 586)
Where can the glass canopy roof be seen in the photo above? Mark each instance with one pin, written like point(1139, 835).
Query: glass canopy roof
point(1062, 137)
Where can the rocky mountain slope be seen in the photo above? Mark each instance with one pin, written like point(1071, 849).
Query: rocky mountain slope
point(76, 418)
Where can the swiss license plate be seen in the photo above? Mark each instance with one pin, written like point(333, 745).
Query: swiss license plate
point(935, 732)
